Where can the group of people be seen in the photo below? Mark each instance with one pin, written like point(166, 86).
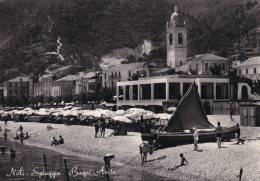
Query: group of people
point(100, 125)
point(56, 142)
point(219, 136)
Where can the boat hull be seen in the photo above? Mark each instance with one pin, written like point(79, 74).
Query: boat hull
point(173, 139)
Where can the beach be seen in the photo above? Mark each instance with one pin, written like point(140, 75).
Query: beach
point(210, 163)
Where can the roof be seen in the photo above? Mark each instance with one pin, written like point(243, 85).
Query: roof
point(19, 79)
point(207, 57)
point(250, 61)
point(68, 78)
point(161, 70)
point(89, 75)
point(61, 68)
point(126, 66)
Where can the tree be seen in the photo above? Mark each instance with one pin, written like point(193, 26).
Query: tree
point(57, 100)
point(171, 71)
point(216, 70)
point(194, 71)
point(133, 77)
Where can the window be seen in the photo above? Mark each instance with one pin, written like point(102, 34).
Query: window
point(112, 75)
point(105, 84)
point(115, 74)
point(246, 71)
point(223, 66)
point(239, 72)
point(170, 39)
point(254, 70)
point(105, 76)
point(119, 73)
point(16, 84)
point(215, 65)
point(180, 39)
point(206, 66)
point(10, 92)
point(180, 63)
point(197, 66)
point(10, 84)
point(129, 73)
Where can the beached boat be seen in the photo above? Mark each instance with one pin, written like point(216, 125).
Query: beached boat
point(189, 114)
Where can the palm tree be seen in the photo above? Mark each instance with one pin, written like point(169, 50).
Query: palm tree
point(216, 70)
point(133, 77)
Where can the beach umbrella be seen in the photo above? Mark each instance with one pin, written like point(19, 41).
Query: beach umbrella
point(57, 114)
point(162, 116)
point(27, 109)
point(171, 109)
point(122, 119)
point(119, 112)
point(135, 110)
point(76, 108)
point(68, 107)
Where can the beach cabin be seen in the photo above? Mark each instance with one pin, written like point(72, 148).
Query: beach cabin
point(250, 115)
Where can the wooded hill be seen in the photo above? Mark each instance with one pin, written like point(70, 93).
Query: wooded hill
point(93, 28)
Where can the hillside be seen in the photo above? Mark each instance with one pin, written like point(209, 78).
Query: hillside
point(90, 30)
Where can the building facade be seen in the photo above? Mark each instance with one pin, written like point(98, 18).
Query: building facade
point(123, 72)
point(64, 86)
point(176, 41)
point(202, 63)
point(155, 91)
point(250, 68)
point(18, 86)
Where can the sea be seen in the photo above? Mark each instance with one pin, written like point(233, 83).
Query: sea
point(35, 163)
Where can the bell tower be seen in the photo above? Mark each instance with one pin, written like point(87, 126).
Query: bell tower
point(176, 41)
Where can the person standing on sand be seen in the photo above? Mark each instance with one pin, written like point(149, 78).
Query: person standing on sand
point(231, 114)
point(219, 134)
point(5, 122)
point(103, 128)
point(96, 128)
point(21, 137)
point(196, 139)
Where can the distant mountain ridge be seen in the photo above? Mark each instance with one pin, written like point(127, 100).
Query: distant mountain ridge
point(89, 30)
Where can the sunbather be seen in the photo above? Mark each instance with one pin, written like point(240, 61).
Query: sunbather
point(183, 162)
point(54, 142)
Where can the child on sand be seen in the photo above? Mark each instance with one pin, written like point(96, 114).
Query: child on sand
point(16, 137)
point(12, 153)
point(183, 163)
point(26, 135)
point(61, 140)
point(54, 142)
point(219, 134)
point(196, 139)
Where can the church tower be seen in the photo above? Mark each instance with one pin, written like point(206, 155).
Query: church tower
point(176, 41)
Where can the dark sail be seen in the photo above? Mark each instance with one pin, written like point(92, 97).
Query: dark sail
point(189, 113)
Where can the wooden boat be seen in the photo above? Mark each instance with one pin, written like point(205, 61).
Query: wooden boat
point(189, 114)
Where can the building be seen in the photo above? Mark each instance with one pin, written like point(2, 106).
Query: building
point(91, 81)
point(64, 86)
point(176, 41)
point(123, 72)
point(45, 82)
point(250, 68)
point(52, 57)
point(168, 90)
point(202, 63)
point(18, 86)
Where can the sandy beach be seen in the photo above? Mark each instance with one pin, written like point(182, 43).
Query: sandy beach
point(209, 164)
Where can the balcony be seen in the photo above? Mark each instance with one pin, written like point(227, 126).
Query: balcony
point(115, 77)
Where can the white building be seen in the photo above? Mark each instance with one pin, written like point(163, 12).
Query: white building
point(123, 72)
point(250, 68)
point(155, 91)
point(203, 62)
